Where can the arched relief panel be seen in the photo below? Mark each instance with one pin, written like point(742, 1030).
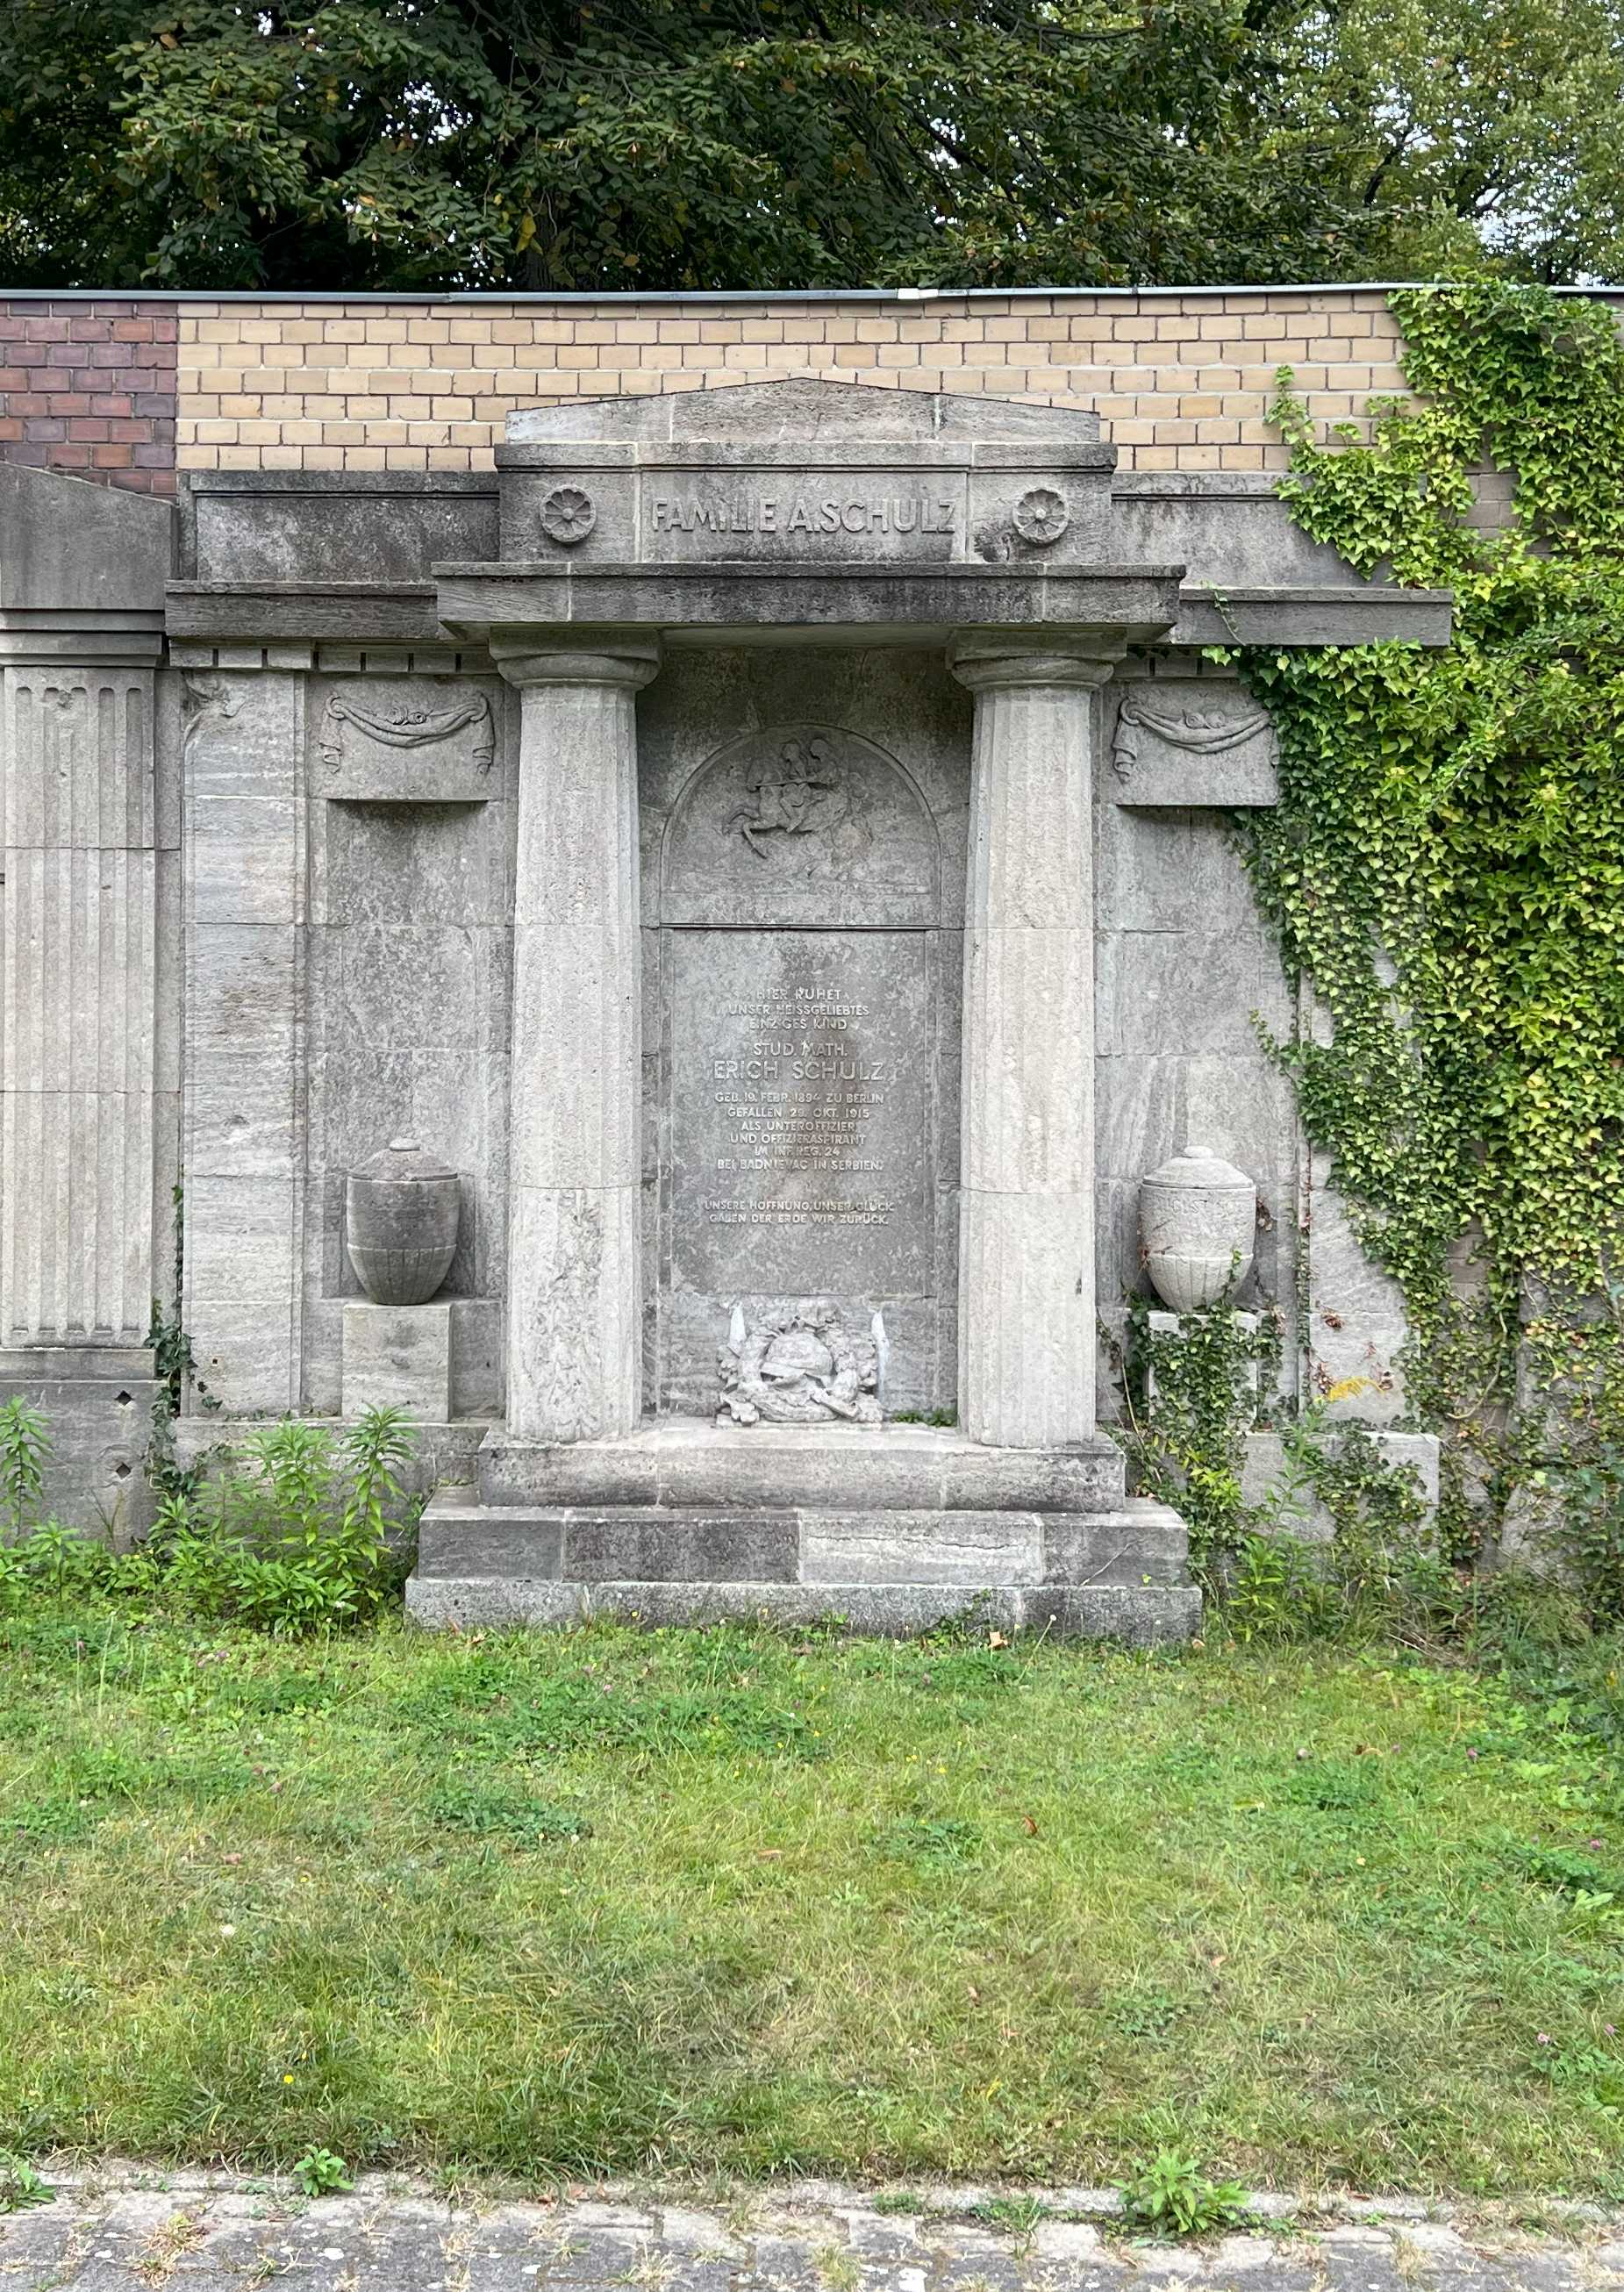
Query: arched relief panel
point(801, 824)
point(801, 961)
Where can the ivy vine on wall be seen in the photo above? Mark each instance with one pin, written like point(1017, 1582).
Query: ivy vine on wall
point(1446, 868)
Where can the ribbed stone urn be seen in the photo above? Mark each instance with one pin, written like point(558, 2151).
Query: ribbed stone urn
point(1198, 1216)
point(401, 1210)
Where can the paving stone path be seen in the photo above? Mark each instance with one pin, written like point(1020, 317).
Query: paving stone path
point(203, 2235)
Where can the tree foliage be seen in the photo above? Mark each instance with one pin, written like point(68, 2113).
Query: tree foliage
point(684, 144)
point(653, 143)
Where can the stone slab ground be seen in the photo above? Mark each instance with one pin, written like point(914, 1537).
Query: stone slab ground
point(207, 2234)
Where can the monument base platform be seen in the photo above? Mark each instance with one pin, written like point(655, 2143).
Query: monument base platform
point(683, 1461)
point(888, 1529)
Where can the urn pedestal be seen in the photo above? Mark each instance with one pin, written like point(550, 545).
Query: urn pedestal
point(402, 1209)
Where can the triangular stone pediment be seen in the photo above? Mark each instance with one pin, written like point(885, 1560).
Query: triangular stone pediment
point(803, 409)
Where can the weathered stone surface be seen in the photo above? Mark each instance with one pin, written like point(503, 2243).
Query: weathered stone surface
point(1229, 529)
point(79, 1216)
point(907, 1547)
point(398, 1357)
point(250, 526)
point(82, 551)
point(97, 1401)
point(1357, 1326)
point(388, 2237)
point(1153, 1617)
point(1141, 1543)
point(243, 745)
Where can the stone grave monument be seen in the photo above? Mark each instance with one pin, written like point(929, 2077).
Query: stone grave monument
point(754, 862)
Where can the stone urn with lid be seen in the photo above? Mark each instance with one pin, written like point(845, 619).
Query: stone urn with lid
point(401, 1212)
point(1198, 1222)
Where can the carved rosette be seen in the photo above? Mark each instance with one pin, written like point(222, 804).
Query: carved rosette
point(568, 515)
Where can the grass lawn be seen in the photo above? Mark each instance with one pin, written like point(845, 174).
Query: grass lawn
point(726, 1901)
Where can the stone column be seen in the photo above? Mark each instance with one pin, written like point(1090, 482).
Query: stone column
point(1026, 1313)
point(574, 1336)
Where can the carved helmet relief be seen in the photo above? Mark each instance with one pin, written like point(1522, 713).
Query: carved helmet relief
point(796, 1364)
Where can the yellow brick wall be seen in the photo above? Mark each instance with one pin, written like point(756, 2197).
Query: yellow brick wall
point(1180, 380)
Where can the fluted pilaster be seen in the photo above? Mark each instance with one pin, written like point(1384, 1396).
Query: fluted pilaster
point(76, 1006)
point(1026, 1225)
point(575, 1249)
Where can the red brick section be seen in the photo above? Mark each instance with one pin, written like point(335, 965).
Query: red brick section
point(89, 388)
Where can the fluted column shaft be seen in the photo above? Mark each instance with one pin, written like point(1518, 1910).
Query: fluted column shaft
point(575, 1249)
point(78, 1005)
point(1026, 1316)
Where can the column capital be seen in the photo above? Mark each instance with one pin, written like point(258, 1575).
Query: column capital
point(629, 659)
point(991, 660)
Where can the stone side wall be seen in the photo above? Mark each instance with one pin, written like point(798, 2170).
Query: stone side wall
point(87, 386)
point(1182, 380)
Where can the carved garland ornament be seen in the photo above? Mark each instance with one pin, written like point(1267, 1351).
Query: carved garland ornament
point(1198, 732)
point(406, 727)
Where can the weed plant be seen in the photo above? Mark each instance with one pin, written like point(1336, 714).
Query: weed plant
point(300, 1535)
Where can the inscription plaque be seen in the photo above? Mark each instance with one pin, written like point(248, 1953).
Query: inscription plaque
point(839, 516)
point(800, 1097)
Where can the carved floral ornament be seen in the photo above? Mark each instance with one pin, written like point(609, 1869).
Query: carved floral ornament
point(568, 515)
point(1041, 516)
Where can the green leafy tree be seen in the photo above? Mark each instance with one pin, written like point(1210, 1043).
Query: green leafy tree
point(1475, 131)
point(656, 143)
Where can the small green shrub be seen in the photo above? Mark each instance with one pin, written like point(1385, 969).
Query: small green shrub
point(320, 2174)
point(1173, 2196)
point(1276, 1590)
point(21, 2185)
point(296, 1538)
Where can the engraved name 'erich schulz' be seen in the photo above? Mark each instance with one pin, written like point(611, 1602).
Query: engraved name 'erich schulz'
point(892, 513)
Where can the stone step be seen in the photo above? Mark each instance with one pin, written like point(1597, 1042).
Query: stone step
point(1143, 1616)
point(1140, 1543)
point(686, 1464)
